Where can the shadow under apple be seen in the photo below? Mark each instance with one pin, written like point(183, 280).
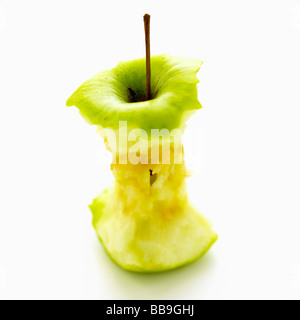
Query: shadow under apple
point(175, 284)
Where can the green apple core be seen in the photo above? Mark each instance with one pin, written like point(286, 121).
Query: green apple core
point(145, 220)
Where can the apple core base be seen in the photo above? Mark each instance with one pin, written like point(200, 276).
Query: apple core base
point(149, 243)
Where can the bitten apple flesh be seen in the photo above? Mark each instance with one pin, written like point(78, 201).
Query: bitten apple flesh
point(145, 221)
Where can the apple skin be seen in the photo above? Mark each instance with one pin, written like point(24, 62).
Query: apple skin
point(106, 99)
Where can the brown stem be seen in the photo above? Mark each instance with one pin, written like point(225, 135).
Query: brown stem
point(148, 57)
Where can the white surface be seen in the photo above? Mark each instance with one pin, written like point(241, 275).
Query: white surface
point(53, 164)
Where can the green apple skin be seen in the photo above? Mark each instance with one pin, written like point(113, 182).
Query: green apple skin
point(106, 99)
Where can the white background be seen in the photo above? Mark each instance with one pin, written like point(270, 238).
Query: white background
point(52, 163)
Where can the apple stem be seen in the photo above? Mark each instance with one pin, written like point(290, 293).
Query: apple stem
point(148, 57)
